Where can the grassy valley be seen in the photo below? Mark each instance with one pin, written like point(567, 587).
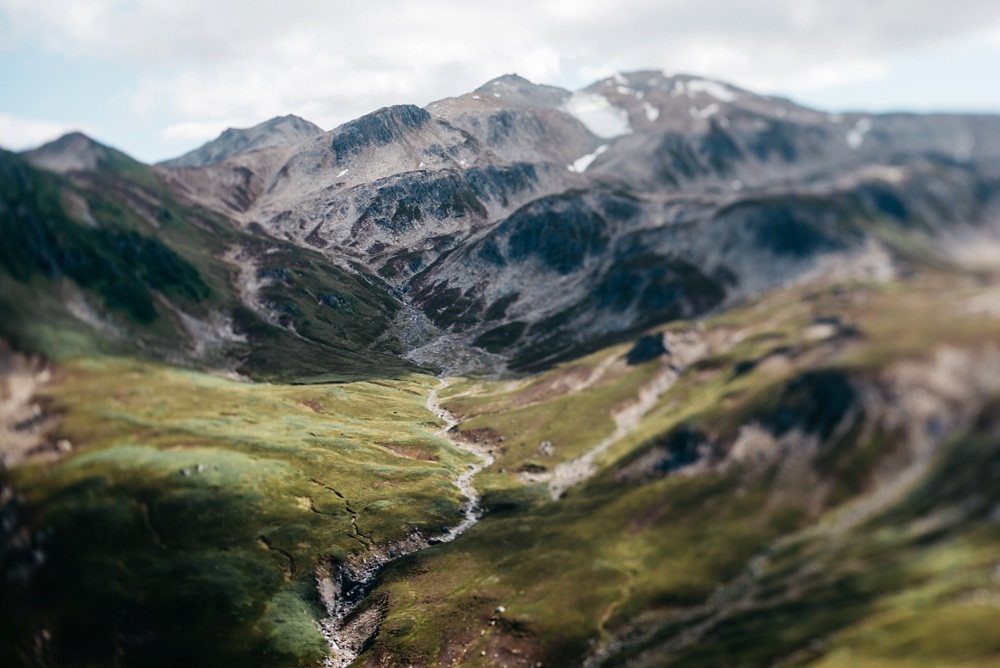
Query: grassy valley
point(802, 480)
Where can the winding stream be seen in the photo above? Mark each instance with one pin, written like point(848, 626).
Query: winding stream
point(471, 509)
point(347, 585)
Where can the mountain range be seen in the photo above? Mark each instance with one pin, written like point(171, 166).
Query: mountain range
point(643, 197)
point(718, 387)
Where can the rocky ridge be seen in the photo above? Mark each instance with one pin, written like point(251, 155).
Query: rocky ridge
point(282, 131)
point(532, 221)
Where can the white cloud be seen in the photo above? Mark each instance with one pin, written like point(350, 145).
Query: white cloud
point(192, 131)
point(202, 65)
point(401, 36)
point(330, 71)
point(18, 134)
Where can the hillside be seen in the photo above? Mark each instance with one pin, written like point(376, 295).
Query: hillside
point(656, 372)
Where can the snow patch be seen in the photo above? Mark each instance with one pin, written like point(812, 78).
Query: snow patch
point(343, 173)
point(652, 113)
point(496, 94)
point(580, 164)
point(713, 88)
point(619, 79)
point(856, 135)
point(475, 97)
point(600, 116)
point(707, 112)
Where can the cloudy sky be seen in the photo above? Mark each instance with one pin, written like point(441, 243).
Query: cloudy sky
point(158, 77)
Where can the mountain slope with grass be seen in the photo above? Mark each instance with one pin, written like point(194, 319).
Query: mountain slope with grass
point(793, 488)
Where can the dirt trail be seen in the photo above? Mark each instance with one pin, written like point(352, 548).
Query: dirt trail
point(571, 473)
point(685, 348)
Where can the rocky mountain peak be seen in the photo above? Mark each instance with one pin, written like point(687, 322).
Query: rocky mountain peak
point(281, 131)
point(515, 89)
point(73, 152)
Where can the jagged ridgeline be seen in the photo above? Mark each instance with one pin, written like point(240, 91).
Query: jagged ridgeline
point(720, 378)
point(538, 224)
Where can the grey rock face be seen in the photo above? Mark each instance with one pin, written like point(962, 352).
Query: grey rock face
point(377, 129)
point(514, 89)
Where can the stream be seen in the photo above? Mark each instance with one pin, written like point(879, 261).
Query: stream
point(348, 584)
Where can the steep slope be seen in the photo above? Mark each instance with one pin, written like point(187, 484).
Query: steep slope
point(388, 182)
point(564, 272)
point(703, 194)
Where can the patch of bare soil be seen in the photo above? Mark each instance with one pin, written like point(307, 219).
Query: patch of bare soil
point(410, 452)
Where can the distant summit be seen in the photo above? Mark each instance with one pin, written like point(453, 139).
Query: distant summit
point(74, 152)
point(515, 89)
point(281, 131)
